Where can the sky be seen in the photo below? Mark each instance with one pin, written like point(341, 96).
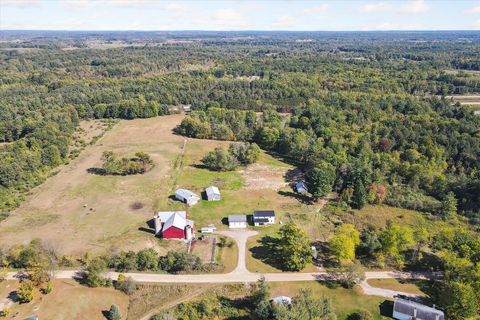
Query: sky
point(313, 15)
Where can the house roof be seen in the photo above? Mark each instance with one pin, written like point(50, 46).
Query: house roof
point(264, 213)
point(186, 194)
point(212, 190)
point(423, 312)
point(282, 300)
point(176, 219)
point(237, 218)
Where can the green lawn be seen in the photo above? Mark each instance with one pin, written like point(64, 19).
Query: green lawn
point(345, 301)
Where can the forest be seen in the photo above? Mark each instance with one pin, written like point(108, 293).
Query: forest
point(355, 100)
point(362, 114)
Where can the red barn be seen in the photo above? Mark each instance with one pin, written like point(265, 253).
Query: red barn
point(173, 225)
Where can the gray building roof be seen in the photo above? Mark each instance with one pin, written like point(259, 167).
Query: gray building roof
point(301, 185)
point(186, 194)
point(263, 213)
point(212, 190)
point(423, 312)
point(237, 218)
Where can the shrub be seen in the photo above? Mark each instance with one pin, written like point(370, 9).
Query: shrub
point(114, 313)
point(360, 315)
point(25, 291)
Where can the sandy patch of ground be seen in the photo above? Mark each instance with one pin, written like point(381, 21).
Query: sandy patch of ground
point(260, 176)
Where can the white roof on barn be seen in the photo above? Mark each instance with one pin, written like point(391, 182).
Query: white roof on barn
point(186, 194)
point(176, 219)
point(212, 190)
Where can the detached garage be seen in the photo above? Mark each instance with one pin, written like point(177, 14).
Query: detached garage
point(237, 221)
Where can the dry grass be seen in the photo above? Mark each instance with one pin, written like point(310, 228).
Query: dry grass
point(68, 300)
point(79, 212)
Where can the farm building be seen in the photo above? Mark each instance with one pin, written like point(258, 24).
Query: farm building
point(187, 196)
point(212, 193)
point(237, 221)
point(173, 225)
point(282, 300)
point(301, 187)
point(406, 310)
point(263, 217)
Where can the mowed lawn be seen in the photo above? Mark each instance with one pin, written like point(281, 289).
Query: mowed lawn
point(345, 301)
point(68, 300)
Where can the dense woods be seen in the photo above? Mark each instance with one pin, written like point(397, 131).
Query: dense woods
point(362, 114)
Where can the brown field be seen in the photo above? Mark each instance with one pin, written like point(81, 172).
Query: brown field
point(77, 211)
point(68, 300)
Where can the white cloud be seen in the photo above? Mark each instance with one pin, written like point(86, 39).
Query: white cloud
point(392, 26)
point(19, 3)
point(476, 25)
point(375, 7)
point(473, 10)
point(229, 18)
point(414, 7)
point(284, 21)
point(317, 9)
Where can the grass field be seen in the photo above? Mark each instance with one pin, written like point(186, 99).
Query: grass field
point(397, 285)
point(68, 300)
point(345, 301)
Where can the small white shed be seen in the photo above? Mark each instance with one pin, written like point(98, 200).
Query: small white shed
point(237, 221)
point(187, 197)
point(212, 193)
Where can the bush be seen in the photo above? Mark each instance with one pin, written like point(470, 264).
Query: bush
point(47, 288)
point(114, 313)
point(238, 154)
point(140, 163)
point(360, 315)
point(25, 291)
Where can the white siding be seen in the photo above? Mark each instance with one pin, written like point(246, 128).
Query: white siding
point(237, 224)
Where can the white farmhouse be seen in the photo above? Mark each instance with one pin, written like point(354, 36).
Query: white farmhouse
point(407, 310)
point(263, 217)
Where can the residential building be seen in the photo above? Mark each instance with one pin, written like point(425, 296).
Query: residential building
point(237, 221)
point(173, 225)
point(212, 193)
point(408, 310)
point(187, 196)
point(263, 217)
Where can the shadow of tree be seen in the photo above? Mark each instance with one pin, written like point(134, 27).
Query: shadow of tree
point(386, 308)
point(97, 171)
point(300, 197)
point(267, 252)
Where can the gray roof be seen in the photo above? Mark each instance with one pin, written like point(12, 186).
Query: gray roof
point(282, 300)
point(186, 194)
point(237, 218)
point(423, 312)
point(301, 185)
point(264, 213)
point(212, 190)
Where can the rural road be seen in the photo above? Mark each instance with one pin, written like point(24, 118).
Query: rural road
point(242, 275)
